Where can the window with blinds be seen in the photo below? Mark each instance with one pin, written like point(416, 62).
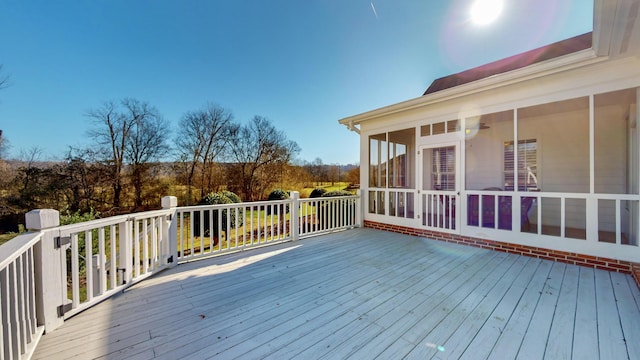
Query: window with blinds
point(527, 165)
point(443, 173)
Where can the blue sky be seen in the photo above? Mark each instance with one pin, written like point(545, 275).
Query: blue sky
point(302, 64)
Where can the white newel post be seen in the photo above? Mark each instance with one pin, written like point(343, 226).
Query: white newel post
point(170, 232)
point(360, 208)
point(125, 252)
point(294, 216)
point(49, 268)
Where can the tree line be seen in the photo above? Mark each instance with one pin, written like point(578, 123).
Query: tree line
point(133, 159)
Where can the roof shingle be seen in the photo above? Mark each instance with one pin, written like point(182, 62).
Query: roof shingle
point(560, 48)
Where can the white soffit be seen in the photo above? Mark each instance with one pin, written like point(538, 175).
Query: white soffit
point(616, 27)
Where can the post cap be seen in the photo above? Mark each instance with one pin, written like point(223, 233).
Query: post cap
point(41, 219)
point(169, 202)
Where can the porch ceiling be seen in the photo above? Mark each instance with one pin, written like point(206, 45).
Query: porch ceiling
point(362, 293)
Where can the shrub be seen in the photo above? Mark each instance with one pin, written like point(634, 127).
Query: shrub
point(275, 195)
point(232, 196)
point(67, 217)
point(337, 193)
point(216, 198)
point(317, 192)
point(278, 194)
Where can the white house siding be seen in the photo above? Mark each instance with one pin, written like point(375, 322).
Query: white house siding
point(563, 137)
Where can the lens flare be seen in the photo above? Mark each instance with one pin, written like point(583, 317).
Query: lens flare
point(484, 12)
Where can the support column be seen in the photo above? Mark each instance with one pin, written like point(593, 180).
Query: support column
point(360, 208)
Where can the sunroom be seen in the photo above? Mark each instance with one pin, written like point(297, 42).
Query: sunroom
point(538, 154)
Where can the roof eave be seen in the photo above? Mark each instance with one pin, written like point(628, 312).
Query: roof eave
point(564, 63)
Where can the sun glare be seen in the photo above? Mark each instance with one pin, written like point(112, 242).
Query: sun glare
point(484, 12)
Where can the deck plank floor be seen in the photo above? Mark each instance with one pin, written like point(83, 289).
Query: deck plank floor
point(362, 294)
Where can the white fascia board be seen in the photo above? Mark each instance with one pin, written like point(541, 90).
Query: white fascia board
point(564, 63)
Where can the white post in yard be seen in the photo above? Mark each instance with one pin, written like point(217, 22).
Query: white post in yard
point(49, 267)
point(170, 232)
point(294, 216)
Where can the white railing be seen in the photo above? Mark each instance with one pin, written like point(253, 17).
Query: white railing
point(321, 215)
point(207, 230)
point(439, 210)
point(54, 272)
point(108, 255)
point(604, 225)
point(20, 330)
point(396, 202)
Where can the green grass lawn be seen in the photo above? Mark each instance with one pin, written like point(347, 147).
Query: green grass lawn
point(304, 193)
point(6, 237)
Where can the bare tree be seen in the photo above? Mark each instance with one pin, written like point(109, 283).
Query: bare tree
point(258, 150)
point(4, 79)
point(147, 143)
point(129, 132)
point(4, 145)
point(202, 136)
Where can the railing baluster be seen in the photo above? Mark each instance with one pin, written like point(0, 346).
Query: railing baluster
point(4, 338)
point(136, 248)
point(192, 232)
point(20, 310)
point(181, 232)
point(113, 273)
point(227, 230)
point(211, 232)
point(618, 223)
point(145, 246)
point(101, 261)
point(154, 242)
point(75, 271)
point(23, 280)
point(5, 314)
point(13, 311)
point(88, 246)
point(23, 299)
point(31, 292)
point(251, 227)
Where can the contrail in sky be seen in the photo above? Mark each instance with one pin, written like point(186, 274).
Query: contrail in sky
point(374, 10)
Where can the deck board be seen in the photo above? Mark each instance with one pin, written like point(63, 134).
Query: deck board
point(358, 294)
point(585, 344)
point(560, 342)
point(610, 338)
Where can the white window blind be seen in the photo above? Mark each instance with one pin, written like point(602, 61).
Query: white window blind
point(527, 165)
point(443, 174)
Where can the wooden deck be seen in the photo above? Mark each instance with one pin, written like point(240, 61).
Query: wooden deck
point(362, 294)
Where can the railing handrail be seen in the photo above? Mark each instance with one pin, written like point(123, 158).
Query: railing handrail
point(12, 249)
point(234, 205)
